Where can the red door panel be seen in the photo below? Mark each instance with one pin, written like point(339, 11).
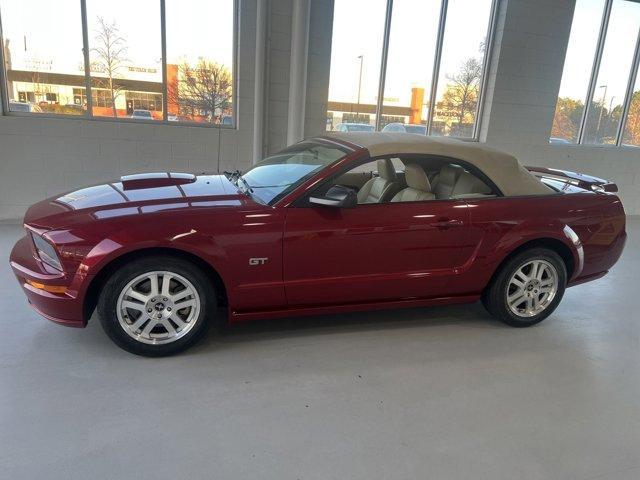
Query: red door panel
point(372, 252)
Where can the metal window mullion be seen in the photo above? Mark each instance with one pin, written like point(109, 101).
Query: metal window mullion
point(85, 53)
point(383, 62)
point(595, 70)
point(436, 63)
point(163, 41)
point(235, 80)
point(491, 31)
point(629, 93)
point(4, 84)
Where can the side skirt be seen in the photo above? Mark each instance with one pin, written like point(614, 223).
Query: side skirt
point(354, 307)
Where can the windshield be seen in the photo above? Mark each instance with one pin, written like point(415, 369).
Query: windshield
point(276, 176)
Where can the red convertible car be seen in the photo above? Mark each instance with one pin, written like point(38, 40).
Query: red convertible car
point(344, 222)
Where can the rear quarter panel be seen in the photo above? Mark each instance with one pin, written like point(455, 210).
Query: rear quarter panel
point(498, 226)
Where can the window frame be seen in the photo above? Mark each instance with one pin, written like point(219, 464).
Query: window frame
point(303, 200)
point(442, 23)
point(592, 85)
point(88, 114)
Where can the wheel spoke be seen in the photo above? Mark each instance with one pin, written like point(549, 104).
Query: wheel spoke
point(139, 322)
point(535, 302)
point(185, 304)
point(535, 267)
point(178, 321)
point(529, 306)
point(518, 283)
point(520, 275)
point(182, 294)
point(516, 299)
point(146, 332)
point(166, 282)
point(133, 305)
point(137, 295)
point(171, 330)
point(154, 284)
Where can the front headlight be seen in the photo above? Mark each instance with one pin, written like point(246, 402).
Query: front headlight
point(46, 252)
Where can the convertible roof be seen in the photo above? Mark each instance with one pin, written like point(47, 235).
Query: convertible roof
point(504, 169)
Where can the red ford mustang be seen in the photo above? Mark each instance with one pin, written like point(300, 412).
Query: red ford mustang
point(347, 222)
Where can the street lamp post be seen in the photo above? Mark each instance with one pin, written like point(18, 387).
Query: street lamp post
point(361, 57)
point(604, 95)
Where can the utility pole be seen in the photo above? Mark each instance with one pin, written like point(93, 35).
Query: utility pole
point(361, 57)
point(604, 95)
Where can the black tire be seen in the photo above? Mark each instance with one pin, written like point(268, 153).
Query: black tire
point(107, 304)
point(494, 297)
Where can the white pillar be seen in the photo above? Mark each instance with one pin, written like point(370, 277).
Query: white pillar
point(298, 70)
point(259, 87)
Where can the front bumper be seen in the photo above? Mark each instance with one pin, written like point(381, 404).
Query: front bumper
point(63, 308)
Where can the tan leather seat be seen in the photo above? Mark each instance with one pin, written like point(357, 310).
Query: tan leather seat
point(469, 185)
point(382, 188)
point(418, 186)
point(446, 180)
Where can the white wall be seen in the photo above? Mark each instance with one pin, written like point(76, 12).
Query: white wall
point(42, 157)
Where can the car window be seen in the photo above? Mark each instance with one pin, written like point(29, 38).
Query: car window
point(419, 129)
point(281, 173)
point(358, 177)
point(393, 127)
point(19, 107)
point(359, 128)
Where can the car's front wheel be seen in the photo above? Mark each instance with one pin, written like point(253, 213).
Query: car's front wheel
point(157, 305)
point(527, 288)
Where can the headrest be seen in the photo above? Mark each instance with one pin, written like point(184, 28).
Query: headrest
point(386, 170)
point(448, 175)
point(468, 183)
point(417, 178)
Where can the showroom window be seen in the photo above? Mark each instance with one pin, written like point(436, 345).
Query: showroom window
point(412, 66)
point(148, 60)
point(599, 98)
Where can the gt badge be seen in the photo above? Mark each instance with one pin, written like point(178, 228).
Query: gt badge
point(258, 261)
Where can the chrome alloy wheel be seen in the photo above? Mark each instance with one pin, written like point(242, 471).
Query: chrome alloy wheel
point(532, 288)
point(158, 307)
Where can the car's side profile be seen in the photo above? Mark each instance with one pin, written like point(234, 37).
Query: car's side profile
point(339, 223)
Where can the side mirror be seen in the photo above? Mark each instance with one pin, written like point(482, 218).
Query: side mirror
point(338, 197)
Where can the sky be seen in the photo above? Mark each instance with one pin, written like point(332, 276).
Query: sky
point(195, 28)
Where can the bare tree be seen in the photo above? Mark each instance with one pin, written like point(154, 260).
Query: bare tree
point(110, 53)
point(205, 87)
point(462, 91)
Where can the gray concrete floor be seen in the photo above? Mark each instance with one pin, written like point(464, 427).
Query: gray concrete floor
point(441, 393)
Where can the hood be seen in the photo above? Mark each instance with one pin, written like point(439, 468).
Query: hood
point(134, 195)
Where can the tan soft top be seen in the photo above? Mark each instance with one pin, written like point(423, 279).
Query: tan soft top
point(504, 169)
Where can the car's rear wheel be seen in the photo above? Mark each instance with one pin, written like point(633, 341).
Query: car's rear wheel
point(527, 288)
point(157, 306)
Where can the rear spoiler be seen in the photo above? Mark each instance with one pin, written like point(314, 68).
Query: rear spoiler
point(578, 179)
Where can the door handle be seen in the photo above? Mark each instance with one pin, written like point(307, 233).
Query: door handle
point(445, 223)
